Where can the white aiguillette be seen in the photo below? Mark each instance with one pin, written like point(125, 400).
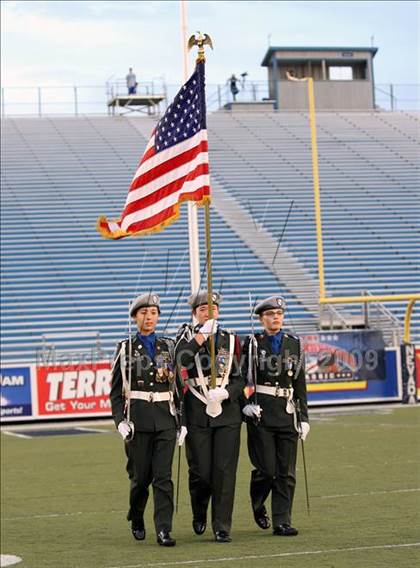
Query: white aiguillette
point(290, 407)
point(213, 408)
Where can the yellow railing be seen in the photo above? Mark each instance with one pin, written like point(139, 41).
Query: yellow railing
point(411, 298)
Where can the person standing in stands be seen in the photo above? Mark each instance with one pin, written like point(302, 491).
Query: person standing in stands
point(213, 415)
point(276, 415)
point(131, 82)
point(145, 396)
point(233, 84)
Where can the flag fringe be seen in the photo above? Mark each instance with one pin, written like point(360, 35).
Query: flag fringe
point(119, 234)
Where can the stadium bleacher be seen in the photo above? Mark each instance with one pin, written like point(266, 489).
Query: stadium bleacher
point(63, 284)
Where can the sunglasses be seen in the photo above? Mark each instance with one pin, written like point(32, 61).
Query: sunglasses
point(272, 313)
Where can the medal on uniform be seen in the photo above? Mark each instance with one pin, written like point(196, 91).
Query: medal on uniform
point(221, 361)
point(164, 368)
point(290, 367)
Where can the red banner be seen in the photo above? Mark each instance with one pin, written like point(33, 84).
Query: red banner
point(74, 389)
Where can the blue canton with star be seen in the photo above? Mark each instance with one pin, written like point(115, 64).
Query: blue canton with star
point(186, 115)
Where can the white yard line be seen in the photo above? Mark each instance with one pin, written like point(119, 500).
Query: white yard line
point(266, 556)
point(77, 513)
point(339, 495)
point(56, 515)
point(17, 435)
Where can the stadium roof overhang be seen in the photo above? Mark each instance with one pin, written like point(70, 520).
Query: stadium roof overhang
point(333, 50)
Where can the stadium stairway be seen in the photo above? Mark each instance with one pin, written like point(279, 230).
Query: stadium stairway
point(63, 285)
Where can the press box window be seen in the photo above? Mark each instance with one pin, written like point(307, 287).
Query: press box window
point(340, 73)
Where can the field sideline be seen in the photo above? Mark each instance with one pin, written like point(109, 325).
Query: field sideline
point(64, 501)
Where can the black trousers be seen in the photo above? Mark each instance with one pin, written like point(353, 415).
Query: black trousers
point(150, 456)
point(212, 455)
point(273, 454)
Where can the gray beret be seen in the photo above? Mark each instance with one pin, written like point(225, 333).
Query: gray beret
point(200, 299)
point(146, 300)
point(271, 303)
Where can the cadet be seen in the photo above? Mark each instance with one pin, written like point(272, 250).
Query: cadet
point(213, 416)
point(143, 398)
point(276, 415)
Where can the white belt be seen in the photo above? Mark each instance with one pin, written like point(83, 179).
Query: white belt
point(152, 396)
point(197, 382)
point(275, 391)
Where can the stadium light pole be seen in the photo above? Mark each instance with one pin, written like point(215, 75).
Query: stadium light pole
point(315, 174)
point(193, 235)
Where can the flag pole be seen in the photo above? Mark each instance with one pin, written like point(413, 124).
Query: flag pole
point(193, 234)
point(200, 40)
point(210, 294)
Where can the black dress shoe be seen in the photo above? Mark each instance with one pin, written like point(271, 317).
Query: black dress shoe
point(223, 536)
point(262, 519)
point(285, 530)
point(199, 526)
point(165, 539)
point(138, 531)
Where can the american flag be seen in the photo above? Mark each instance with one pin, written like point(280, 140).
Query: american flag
point(174, 166)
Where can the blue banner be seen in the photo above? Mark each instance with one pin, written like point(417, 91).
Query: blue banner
point(344, 356)
point(16, 400)
point(349, 366)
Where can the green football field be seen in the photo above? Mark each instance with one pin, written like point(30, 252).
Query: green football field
point(64, 501)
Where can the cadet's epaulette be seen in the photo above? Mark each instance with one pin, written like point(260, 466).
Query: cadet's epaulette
point(167, 339)
point(291, 336)
point(127, 339)
point(182, 328)
point(225, 330)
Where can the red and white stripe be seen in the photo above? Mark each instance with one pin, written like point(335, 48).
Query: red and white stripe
point(162, 181)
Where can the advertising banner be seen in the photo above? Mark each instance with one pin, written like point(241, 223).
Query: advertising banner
point(16, 398)
point(74, 390)
point(349, 366)
point(408, 366)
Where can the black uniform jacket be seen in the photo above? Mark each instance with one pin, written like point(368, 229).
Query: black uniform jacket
point(157, 375)
point(185, 352)
point(285, 370)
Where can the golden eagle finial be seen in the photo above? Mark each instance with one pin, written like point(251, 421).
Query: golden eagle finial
point(201, 40)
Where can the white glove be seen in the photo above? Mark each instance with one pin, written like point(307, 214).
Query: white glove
point(124, 429)
point(304, 430)
point(181, 435)
point(252, 410)
point(218, 394)
point(209, 328)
